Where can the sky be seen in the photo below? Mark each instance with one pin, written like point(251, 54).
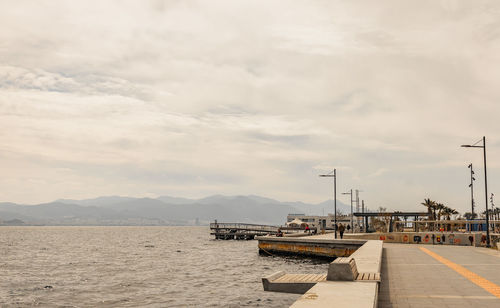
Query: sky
point(194, 98)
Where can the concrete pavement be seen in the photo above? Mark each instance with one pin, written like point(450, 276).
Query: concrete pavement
point(439, 276)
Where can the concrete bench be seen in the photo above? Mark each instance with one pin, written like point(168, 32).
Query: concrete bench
point(345, 294)
point(291, 283)
point(363, 265)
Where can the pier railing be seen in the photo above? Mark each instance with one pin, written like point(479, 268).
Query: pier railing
point(242, 226)
point(240, 230)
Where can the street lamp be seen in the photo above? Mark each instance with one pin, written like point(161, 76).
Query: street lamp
point(492, 210)
point(334, 175)
point(471, 185)
point(485, 184)
point(352, 223)
point(357, 205)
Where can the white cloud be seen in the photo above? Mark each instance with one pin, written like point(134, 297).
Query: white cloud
point(198, 97)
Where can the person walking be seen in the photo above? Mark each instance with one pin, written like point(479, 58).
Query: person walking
point(341, 230)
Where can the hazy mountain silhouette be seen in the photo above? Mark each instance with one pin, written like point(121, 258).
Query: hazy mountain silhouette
point(164, 210)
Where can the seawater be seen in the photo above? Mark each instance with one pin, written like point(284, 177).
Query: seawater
point(137, 267)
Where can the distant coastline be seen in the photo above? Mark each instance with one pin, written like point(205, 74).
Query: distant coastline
point(161, 211)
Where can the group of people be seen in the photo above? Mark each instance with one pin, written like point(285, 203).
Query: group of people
point(342, 229)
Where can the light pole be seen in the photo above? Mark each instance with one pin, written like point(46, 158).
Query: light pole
point(471, 185)
point(350, 193)
point(485, 184)
point(334, 175)
point(357, 206)
point(492, 210)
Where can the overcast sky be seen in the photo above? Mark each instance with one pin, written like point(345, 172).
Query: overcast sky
point(193, 98)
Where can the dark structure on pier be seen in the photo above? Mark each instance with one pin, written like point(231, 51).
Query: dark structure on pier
point(240, 231)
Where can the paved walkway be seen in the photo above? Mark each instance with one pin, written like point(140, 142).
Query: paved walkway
point(439, 276)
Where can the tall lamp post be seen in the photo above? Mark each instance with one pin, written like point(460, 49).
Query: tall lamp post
point(492, 210)
point(485, 184)
point(357, 206)
point(471, 185)
point(352, 225)
point(334, 175)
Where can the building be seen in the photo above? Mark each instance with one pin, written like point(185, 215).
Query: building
point(320, 222)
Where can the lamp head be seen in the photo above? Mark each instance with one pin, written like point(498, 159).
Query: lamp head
point(466, 146)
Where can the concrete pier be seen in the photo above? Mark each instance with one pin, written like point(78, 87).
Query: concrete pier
point(446, 274)
point(351, 281)
point(314, 246)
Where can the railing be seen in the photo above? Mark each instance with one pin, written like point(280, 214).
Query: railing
point(245, 227)
point(449, 225)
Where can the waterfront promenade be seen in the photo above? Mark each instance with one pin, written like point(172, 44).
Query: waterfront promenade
point(439, 276)
point(416, 275)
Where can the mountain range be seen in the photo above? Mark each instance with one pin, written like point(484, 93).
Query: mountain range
point(164, 210)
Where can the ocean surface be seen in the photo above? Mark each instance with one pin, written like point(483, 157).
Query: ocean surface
point(137, 266)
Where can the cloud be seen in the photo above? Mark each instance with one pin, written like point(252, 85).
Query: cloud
point(193, 98)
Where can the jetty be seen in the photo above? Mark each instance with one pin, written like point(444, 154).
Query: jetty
point(405, 269)
point(240, 231)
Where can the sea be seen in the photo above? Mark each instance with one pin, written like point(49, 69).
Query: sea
point(118, 266)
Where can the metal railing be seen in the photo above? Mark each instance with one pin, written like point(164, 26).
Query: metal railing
point(243, 227)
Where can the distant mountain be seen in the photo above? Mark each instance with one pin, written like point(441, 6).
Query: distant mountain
point(164, 210)
point(175, 200)
point(100, 201)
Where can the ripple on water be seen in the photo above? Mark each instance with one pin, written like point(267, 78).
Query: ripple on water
point(137, 266)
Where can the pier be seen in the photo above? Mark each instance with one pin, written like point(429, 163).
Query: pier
point(240, 231)
point(309, 246)
point(392, 270)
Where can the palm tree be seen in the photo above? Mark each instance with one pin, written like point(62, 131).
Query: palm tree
point(447, 212)
point(429, 204)
point(440, 208)
point(431, 209)
point(454, 212)
point(469, 216)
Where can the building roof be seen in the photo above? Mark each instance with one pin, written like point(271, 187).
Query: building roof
point(393, 214)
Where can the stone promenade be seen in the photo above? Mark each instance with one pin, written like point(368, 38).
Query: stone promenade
point(439, 276)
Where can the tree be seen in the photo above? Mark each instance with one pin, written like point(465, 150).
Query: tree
point(438, 210)
point(430, 205)
point(447, 212)
point(431, 210)
point(381, 223)
point(497, 213)
point(469, 216)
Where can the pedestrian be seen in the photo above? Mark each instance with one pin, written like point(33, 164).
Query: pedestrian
point(341, 230)
point(279, 234)
point(348, 228)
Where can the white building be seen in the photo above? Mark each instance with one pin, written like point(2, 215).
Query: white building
point(320, 222)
